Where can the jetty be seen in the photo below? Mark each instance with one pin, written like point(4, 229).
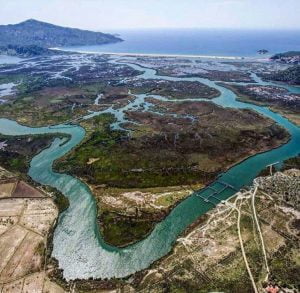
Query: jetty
point(215, 192)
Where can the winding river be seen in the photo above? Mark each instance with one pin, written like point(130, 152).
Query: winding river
point(78, 245)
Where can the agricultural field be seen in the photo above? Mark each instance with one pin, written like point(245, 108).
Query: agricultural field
point(27, 216)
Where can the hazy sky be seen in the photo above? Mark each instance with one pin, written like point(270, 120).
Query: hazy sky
point(114, 14)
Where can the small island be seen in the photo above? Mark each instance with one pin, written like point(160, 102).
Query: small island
point(262, 51)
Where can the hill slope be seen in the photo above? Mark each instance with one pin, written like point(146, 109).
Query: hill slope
point(33, 32)
point(291, 57)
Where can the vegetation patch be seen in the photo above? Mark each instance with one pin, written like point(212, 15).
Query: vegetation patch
point(16, 152)
point(122, 230)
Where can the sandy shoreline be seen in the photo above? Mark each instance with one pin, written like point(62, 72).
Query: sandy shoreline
point(162, 55)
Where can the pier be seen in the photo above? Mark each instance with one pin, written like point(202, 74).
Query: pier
point(215, 192)
point(212, 188)
point(206, 199)
point(227, 185)
point(213, 196)
point(271, 167)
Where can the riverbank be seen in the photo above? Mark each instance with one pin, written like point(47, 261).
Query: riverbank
point(79, 221)
point(209, 248)
point(122, 170)
point(278, 100)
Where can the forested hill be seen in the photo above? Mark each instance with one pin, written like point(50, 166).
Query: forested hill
point(291, 57)
point(46, 35)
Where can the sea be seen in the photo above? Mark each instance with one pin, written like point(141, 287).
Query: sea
point(200, 42)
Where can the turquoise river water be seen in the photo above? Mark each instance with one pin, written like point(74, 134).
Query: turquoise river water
point(77, 243)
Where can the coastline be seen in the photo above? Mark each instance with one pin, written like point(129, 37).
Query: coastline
point(162, 55)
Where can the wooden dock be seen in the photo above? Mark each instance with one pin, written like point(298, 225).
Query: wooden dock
point(215, 192)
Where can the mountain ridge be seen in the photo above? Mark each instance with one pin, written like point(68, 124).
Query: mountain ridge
point(47, 35)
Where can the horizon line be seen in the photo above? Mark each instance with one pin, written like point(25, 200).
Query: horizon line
point(160, 28)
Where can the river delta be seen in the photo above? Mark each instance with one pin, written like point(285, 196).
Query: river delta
point(144, 147)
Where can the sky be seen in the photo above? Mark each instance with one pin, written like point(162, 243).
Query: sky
point(137, 14)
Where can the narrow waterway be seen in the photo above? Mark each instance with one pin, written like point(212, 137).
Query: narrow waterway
point(79, 247)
